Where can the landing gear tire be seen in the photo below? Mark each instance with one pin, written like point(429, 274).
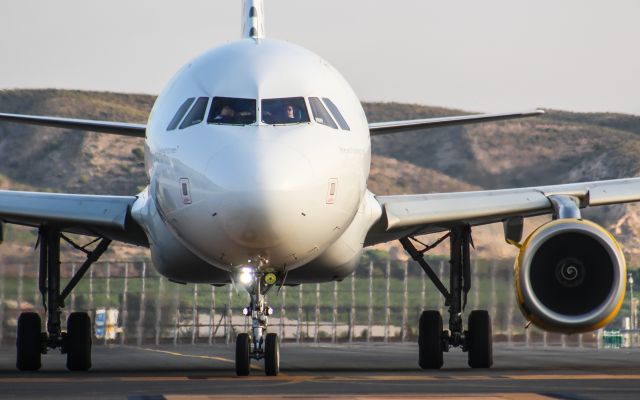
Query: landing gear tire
point(78, 342)
point(430, 340)
point(243, 355)
point(29, 342)
point(479, 340)
point(271, 355)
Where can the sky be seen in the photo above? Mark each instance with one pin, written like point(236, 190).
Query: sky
point(489, 55)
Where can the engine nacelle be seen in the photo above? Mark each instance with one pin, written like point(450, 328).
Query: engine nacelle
point(570, 276)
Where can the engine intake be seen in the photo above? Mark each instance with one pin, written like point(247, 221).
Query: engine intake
point(570, 276)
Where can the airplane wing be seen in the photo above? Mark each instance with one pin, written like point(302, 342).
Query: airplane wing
point(117, 128)
point(100, 216)
point(407, 215)
point(376, 128)
point(383, 128)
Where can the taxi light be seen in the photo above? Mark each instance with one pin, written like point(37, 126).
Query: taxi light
point(246, 276)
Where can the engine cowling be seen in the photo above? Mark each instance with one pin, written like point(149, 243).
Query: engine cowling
point(570, 276)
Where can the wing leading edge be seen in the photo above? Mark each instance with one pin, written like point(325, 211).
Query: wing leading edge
point(375, 128)
point(404, 215)
point(383, 128)
point(117, 128)
point(104, 216)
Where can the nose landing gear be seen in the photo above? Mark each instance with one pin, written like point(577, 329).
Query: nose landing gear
point(258, 345)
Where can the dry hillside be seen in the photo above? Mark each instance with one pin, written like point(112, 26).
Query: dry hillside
point(558, 147)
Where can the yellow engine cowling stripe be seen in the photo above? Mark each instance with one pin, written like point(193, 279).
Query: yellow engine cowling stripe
point(520, 296)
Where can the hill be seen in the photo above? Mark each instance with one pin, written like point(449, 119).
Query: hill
point(555, 148)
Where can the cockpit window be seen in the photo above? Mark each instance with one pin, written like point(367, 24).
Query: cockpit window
point(232, 111)
point(180, 113)
point(289, 110)
point(320, 114)
point(336, 114)
point(196, 114)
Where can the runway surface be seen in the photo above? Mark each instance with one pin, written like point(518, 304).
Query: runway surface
point(375, 371)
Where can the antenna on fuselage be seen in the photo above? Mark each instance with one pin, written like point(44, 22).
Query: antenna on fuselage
point(253, 19)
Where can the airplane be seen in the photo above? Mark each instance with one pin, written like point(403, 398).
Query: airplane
point(257, 154)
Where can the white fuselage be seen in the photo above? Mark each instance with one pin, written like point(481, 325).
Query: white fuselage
point(268, 195)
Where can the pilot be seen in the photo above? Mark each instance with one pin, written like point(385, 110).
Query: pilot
point(225, 115)
point(291, 114)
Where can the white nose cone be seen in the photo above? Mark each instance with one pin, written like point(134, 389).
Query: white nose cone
point(266, 196)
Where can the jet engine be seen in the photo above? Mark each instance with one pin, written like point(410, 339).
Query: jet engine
point(570, 276)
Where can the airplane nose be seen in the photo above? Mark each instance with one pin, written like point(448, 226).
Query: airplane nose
point(263, 193)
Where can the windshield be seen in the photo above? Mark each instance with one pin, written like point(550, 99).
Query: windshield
point(320, 114)
point(288, 110)
point(232, 111)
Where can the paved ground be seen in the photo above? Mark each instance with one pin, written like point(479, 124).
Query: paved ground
point(337, 372)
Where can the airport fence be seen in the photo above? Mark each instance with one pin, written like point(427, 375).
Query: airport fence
point(131, 304)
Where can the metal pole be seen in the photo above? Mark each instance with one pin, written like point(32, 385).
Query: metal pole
point(580, 340)
point(387, 311)
point(229, 316)
point(283, 313)
point(512, 304)
point(335, 312)
point(1, 305)
point(423, 292)
point(194, 312)
point(158, 322)
point(176, 331)
point(108, 285)
point(352, 319)
point(317, 314)
point(370, 309)
point(405, 303)
point(212, 315)
point(91, 304)
point(124, 311)
point(494, 290)
point(476, 286)
point(299, 328)
point(107, 303)
point(20, 285)
point(632, 311)
point(72, 302)
point(141, 309)
point(440, 298)
point(37, 293)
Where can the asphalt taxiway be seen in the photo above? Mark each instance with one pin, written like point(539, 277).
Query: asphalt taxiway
point(373, 371)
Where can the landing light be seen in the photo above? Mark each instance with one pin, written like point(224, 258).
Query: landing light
point(246, 276)
point(246, 311)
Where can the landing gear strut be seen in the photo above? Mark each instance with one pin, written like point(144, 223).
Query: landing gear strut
point(432, 339)
point(31, 342)
point(258, 345)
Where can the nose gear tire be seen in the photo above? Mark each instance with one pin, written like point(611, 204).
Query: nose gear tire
point(271, 355)
point(243, 354)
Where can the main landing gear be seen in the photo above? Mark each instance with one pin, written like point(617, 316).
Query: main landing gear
point(432, 339)
point(31, 342)
point(258, 345)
